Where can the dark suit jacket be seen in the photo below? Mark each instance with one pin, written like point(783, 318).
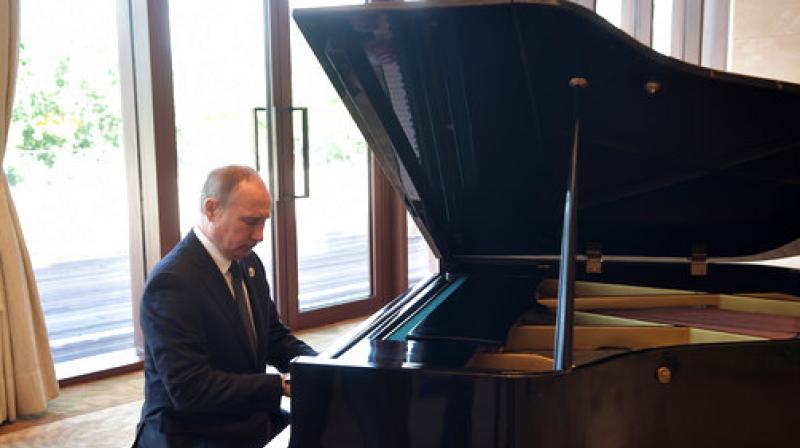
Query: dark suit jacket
point(203, 387)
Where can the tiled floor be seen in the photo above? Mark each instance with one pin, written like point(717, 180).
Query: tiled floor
point(104, 413)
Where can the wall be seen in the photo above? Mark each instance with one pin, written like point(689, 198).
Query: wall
point(765, 39)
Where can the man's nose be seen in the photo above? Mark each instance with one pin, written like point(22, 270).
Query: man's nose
point(258, 234)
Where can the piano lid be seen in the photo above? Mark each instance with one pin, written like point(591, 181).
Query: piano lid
point(468, 108)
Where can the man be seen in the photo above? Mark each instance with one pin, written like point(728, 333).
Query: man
point(210, 328)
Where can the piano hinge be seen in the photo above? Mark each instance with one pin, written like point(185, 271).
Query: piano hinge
point(594, 258)
point(699, 260)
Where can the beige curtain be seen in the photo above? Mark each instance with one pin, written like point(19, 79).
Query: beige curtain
point(27, 376)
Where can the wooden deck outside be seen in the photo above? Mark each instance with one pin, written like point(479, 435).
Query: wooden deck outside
point(87, 303)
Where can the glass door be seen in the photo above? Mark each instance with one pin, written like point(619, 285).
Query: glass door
point(324, 177)
point(333, 238)
point(220, 97)
point(66, 168)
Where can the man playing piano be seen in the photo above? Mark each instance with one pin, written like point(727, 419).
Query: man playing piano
point(210, 328)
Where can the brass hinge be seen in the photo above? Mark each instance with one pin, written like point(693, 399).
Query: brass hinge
point(699, 260)
point(594, 258)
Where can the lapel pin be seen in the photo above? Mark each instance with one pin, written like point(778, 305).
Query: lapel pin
point(251, 272)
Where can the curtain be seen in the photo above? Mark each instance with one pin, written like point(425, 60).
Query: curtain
point(27, 375)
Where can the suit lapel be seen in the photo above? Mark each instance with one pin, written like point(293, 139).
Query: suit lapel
point(219, 292)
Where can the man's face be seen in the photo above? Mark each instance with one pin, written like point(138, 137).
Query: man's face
point(237, 227)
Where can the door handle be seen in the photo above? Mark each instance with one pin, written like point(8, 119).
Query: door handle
point(257, 137)
point(305, 150)
point(306, 175)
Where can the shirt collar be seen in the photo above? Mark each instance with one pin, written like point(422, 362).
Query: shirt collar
point(223, 263)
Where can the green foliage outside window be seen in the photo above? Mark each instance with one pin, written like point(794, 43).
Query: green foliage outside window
point(60, 115)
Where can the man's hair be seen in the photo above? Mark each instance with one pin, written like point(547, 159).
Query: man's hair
point(221, 182)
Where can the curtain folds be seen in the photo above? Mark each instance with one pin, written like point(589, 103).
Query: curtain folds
point(27, 375)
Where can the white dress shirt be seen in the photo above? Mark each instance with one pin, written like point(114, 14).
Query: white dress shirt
point(224, 265)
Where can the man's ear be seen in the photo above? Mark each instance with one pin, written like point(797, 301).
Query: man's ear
point(210, 208)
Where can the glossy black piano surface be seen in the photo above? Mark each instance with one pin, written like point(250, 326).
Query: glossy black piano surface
point(681, 171)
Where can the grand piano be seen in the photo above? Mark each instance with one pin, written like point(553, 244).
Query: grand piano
point(594, 206)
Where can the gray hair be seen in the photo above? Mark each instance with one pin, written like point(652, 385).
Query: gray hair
point(221, 182)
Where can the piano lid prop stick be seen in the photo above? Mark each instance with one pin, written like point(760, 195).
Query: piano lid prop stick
point(562, 348)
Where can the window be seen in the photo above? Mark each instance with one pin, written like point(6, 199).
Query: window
point(66, 168)
point(421, 261)
point(219, 86)
point(610, 10)
point(333, 221)
point(662, 26)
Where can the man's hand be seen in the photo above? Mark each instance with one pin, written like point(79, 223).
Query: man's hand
point(286, 384)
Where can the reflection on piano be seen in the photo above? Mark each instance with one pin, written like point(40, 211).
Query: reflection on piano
point(613, 312)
